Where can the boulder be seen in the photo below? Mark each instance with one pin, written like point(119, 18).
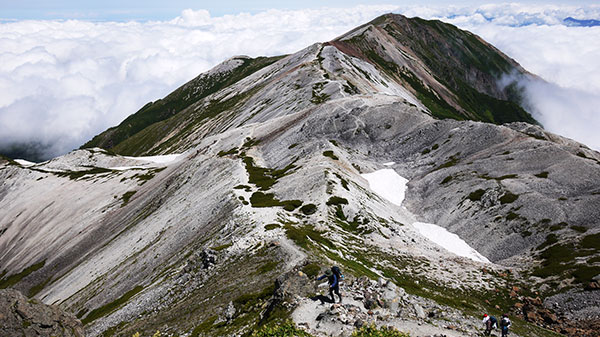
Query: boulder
point(21, 316)
point(419, 311)
point(208, 258)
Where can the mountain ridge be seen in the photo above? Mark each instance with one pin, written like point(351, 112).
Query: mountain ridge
point(267, 190)
point(439, 98)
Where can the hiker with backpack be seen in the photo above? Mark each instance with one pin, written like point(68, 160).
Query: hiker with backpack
point(333, 275)
point(490, 323)
point(504, 324)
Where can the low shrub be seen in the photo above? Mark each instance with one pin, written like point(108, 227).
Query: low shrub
point(373, 331)
point(286, 329)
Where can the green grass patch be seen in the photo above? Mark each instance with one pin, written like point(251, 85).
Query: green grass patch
point(446, 180)
point(143, 178)
point(584, 273)
point(291, 205)
point(591, 241)
point(343, 181)
point(550, 240)
point(271, 226)
point(245, 302)
point(308, 209)
point(317, 96)
point(334, 201)
point(110, 307)
point(264, 178)
point(267, 267)
point(38, 287)
point(228, 152)
point(452, 160)
point(579, 229)
point(372, 330)
point(506, 176)
point(286, 329)
point(542, 174)
point(126, 196)
point(594, 259)
point(330, 154)
point(526, 233)
point(74, 175)
point(339, 213)
point(476, 195)
point(204, 326)
point(292, 146)
point(311, 270)
point(301, 235)
point(6, 282)
point(250, 142)
point(512, 215)
point(260, 199)
point(222, 247)
point(508, 198)
point(556, 260)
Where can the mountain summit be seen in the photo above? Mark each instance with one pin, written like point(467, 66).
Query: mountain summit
point(450, 72)
point(392, 151)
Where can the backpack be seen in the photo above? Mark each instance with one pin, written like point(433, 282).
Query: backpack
point(337, 272)
point(493, 320)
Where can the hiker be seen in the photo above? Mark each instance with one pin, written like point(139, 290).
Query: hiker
point(490, 323)
point(334, 282)
point(504, 324)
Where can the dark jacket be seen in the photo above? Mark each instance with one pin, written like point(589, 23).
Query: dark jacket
point(333, 281)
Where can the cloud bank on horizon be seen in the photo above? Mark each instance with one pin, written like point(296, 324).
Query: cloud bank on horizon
point(62, 82)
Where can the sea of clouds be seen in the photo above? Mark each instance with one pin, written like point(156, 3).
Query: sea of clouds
point(62, 82)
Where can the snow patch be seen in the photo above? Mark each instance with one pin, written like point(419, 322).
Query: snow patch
point(388, 184)
point(391, 186)
point(24, 162)
point(389, 164)
point(449, 241)
point(124, 168)
point(163, 159)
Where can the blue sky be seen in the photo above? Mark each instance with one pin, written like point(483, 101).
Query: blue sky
point(143, 10)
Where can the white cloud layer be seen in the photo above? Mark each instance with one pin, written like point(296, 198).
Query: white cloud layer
point(61, 82)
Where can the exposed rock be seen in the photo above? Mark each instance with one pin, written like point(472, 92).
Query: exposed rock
point(20, 316)
point(419, 311)
point(593, 285)
point(208, 258)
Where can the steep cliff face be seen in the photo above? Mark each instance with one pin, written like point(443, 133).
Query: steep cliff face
point(262, 173)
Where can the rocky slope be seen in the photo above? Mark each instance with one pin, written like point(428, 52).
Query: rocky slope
point(269, 181)
point(21, 316)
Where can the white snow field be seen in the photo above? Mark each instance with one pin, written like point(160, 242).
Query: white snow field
point(449, 241)
point(388, 184)
point(391, 186)
point(163, 159)
point(24, 162)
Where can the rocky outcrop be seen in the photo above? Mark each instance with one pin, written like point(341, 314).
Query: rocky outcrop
point(20, 316)
point(381, 303)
